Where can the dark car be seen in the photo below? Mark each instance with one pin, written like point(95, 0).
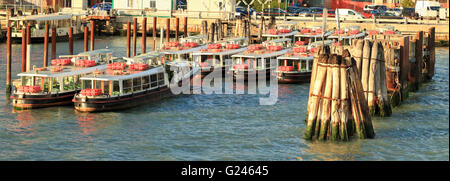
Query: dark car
point(317, 11)
point(243, 11)
point(385, 15)
point(103, 6)
point(409, 12)
point(275, 12)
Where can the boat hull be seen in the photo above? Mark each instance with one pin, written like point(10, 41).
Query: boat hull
point(248, 75)
point(294, 77)
point(84, 104)
point(31, 101)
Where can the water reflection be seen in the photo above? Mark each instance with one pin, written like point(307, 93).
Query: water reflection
point(334, 151)
point(25, 123)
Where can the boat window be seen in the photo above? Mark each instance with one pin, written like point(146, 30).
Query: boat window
point(145, 82)
point(310, 65)
point(161, 79)
point(153, 80)
point(86, 84)
point(105, 87)
point(26, 80)
point(55, 85)
point(267, 62)
point(68, 83)
point(116, 88)
point(127, 86)
point(137, 84)
point(303, 66)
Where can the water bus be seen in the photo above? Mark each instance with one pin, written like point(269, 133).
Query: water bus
point(57, 84)
point(215, 55)
point(282, 31)
point(347, 35)
point(60, 21)
point(130, 84)
point(309, 35)
point(183, 49)
point(256, 58)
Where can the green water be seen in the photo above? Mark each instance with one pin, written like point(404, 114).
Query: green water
point(217, 127)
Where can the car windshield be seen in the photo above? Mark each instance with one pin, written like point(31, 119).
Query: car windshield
point(435, 8)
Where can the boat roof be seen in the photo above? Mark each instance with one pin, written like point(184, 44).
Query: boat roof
point(296, 57)
point(67, 71)
point(233, 40)
point(148, 55)
point(265, 55)
point(328, 33)
point(226, 52)
point(108, 75)
point(195, 37)
point(292, 33)
point(45, 17)
point(185, 51)
point(179, 63)
point(319, 43)
point(279, 40)
point(94, 52)
point(350, 36)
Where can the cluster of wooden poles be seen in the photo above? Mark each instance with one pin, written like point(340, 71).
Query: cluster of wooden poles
point(337, 107)
point(350, 84)
point(131, 53)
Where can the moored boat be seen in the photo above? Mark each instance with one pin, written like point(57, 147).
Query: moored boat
point(307, 36)
point(129, 85)
point(56, 85)
point(296, 65)
point(215, 55)
point(256, 60)
point(347, 35)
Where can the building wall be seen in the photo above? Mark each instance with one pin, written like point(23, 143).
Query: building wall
point(211, 5)
point(142, 4)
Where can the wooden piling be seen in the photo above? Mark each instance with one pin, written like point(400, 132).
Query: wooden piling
point(46, 45)
point(70, 41)
point(8, 61)
point(134, 35)
point(28, 64)
point(404, 67)
point(128, 40)
point(144, 35)
point(154, 33)
point(86, 31)
point(24, 49)
point(177, 28)
point(54, 42)
point(167, 29)
point(185, 28)
point(92, 34)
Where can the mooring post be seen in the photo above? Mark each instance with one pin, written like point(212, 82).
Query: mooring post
point(92, 34)
point(46, 45)
point(144, 35)
point(28, 66)
point(177, 27)
point(154, 33)
point(70, 41)
point(86, 31)
point(431, 40)
point(54, 43)
point(134, 35)
point(24, 49)
point(128, 39)
point(185, 26)
point(167, 29)
point(8, 61)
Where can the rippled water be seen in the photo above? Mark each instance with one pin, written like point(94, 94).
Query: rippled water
point(217, 127)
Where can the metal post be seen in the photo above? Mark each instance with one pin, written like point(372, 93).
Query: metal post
point(24, 49)
point(154, 33)
point(28, 65)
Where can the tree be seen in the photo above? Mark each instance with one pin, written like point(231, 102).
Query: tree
point(408, 4)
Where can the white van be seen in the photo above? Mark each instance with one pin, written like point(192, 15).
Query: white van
point(349, 13)
point(428, 9)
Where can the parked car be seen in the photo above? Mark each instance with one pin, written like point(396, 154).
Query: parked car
point(243, 11)
point(369, 8)
point(386, 15)
point(409, 12)
point(305, 13)
point(295, 11)
point(107, 6)
point(317, 11)
point(274, 12)
point(396, 11)
point(349, 13)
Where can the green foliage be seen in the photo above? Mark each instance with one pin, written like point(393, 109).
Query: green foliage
point(258, 6)
point(408, 3)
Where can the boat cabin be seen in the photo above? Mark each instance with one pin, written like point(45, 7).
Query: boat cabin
point(257, 57)
point(347, 35)
point(283, 42)
point(214, 55)
point(183, 49)
point(60, 21)
point(273, 34)
point(308, 35)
